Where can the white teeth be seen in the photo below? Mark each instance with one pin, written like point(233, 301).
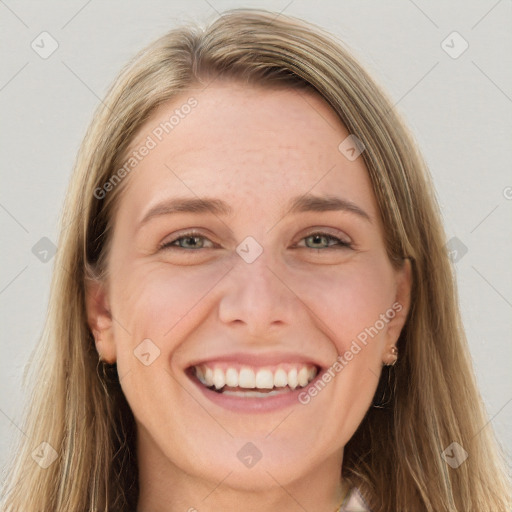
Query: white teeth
point(280, 378)
point(208, 376)
point(264, 379)
point(303, 377)
point(218, 378)
point(200, 374)
point(255, 394)
point(246, 378)
point(231, 378)
point(299, 375)
point(292, 378)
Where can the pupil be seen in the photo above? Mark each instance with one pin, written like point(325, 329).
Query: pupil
point(191, 238)
point(317, 238)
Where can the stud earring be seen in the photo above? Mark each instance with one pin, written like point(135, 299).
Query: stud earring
point(394, 353)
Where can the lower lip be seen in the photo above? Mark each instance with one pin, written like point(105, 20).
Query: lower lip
point(254, 404)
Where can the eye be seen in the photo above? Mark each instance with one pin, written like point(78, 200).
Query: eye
point(191, 240)
point(195, 241)
point(325, 238)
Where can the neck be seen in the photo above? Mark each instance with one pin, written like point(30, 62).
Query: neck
point(164, 487)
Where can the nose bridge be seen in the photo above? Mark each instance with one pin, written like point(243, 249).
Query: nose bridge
point(256, 295)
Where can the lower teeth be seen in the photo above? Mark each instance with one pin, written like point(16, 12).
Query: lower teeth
point(255, 394)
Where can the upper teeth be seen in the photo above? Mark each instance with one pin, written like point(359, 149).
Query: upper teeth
point(264, 378)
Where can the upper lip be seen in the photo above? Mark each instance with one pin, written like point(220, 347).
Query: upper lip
point(258, 360)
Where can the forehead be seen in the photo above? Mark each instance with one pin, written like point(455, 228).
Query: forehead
point(250, 145)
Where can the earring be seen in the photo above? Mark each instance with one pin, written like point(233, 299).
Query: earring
point(387, 383)
point(394, 353)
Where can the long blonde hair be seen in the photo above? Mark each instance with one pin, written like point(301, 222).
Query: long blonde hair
point(395, 457)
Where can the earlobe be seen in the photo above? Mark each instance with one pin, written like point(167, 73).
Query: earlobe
point(99, 319)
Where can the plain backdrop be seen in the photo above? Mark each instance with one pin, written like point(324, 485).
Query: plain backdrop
point(456, 100)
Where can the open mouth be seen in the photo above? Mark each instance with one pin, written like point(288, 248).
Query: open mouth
point(249, 382)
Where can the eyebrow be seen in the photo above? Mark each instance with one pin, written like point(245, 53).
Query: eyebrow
point(298, 204)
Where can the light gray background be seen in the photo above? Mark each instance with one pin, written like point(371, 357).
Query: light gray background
point(458, 108)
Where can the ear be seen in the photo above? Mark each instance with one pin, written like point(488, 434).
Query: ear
point(401, 305)
point(99, 319)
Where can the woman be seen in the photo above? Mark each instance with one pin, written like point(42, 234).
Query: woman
point(252, 307)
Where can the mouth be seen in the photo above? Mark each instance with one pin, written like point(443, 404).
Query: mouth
point(241, 386)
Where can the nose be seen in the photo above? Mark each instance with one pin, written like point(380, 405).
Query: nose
point(257, 298)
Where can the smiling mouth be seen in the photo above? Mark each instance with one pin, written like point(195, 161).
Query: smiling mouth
point(250, 382)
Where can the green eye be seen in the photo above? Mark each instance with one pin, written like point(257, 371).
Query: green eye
point(324, 238)
point(195, 241)
point(192, 240)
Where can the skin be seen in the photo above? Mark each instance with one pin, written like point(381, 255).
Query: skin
point(254, 148)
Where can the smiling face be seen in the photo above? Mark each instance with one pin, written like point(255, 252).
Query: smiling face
point(263, 287)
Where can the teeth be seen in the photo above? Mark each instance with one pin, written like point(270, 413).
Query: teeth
point(247, 379)
point(303, 377)
point(208, 376)
point(231, 378)
point(292, 378)
point(218, 378)
point(264, 378)
point(280, 378)
point(254, 394)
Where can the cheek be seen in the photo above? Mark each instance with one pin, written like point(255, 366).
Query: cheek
point(158, 303)
point(349, 300)
point(155, 297)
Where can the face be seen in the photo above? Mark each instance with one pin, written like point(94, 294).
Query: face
point(264, 317)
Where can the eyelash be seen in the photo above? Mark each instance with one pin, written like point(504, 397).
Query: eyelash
point(340, 245)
